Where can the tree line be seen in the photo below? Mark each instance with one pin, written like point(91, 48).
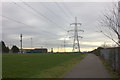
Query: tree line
point(6, 49)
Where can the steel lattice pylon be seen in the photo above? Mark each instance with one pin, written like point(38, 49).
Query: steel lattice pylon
point(76, 44)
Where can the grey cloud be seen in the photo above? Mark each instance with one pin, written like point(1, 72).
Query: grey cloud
point(47, 33)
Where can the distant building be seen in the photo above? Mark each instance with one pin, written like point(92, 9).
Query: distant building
point(36, 50)
point(40, 50)
point(28, 50)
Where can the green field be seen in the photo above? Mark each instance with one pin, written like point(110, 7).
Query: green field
point(38, 65)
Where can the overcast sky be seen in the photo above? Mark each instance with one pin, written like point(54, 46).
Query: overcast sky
point(47, 24)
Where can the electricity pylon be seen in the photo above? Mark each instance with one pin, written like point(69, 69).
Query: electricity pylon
point(76, 44)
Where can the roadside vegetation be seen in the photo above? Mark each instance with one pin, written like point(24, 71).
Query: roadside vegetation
point(39, 65)
point(110, 69)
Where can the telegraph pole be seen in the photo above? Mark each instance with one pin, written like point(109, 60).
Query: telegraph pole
point(76, 44)
point(61, 48)
point(64, 45)
point(31, 43)
point(51, 50)
point(58, 48)
point(21, 42)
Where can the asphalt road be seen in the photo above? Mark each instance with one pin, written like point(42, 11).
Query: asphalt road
point(90, 67)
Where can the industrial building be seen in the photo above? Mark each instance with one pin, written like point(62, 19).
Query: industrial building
point(40, 50)
point(36, 50)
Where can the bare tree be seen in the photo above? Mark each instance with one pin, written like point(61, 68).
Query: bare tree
point(111, 21)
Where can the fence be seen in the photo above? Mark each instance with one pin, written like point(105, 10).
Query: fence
point(112, 56)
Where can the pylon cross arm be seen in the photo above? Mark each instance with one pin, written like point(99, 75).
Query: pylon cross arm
point(81, 30)
point(80, 36)
point(75, 24)
point(70, 30)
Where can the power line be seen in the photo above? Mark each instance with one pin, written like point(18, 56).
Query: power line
point(30, 26)
point(61, 9)
point(27, 25)
point(68, 9)
point(43, 15)
point(17, 21)
point(23, 9)
point(37, 12)
point(53, 12)
point(27, 10)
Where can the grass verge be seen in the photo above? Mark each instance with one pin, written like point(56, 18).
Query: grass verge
point(61, 70)
point(109, 68)
point(38, 65)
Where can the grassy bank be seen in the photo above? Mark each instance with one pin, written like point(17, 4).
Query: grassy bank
point(38, 65)
point(109, 68)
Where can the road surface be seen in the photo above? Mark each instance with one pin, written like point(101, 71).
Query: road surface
point(90, 67)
